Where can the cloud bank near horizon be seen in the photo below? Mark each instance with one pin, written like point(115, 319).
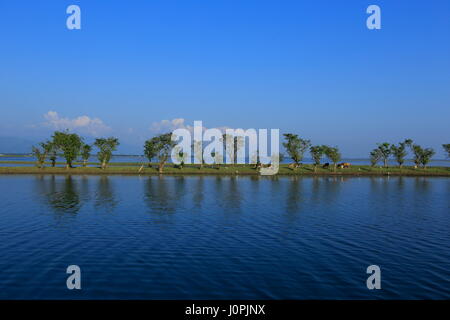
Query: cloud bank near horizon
point(83, 124)
point(165, 126)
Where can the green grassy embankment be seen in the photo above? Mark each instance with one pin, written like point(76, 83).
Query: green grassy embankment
point(133, 168)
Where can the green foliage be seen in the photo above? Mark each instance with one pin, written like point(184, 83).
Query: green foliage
point(106, 147)
point(150, 150)
point(427, 154)
point(422, 156)
point(70, 145)
point(53, 153)
point(333, 154)
point(447, 149)
point(42, 152)
point(85, 153)
point(160, 147)
point(40, 156)
point(399, 152)
point(375, 156)
point(417, 151)
point(295, 147)
point(384, 150)
point(317, 153)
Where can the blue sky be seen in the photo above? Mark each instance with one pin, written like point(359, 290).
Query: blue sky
point(308, 67)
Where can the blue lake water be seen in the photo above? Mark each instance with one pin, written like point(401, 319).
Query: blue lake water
point(224, 237)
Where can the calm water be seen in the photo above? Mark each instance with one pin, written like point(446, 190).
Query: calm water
point(224, 238)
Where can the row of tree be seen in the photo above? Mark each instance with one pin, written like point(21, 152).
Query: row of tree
point(296, 147)
point(421, 156)
point(160, 147)
point(72, 147)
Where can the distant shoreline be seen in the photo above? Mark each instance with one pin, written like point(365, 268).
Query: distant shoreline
point(236, 170)
point(349, 159)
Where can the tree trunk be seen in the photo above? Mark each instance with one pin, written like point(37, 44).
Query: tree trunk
point(385, 162)
point(335, 167)
point(161, 167)
point(84, 163)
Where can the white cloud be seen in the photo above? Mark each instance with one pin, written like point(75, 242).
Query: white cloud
point(83, 124)
point(165, 126)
